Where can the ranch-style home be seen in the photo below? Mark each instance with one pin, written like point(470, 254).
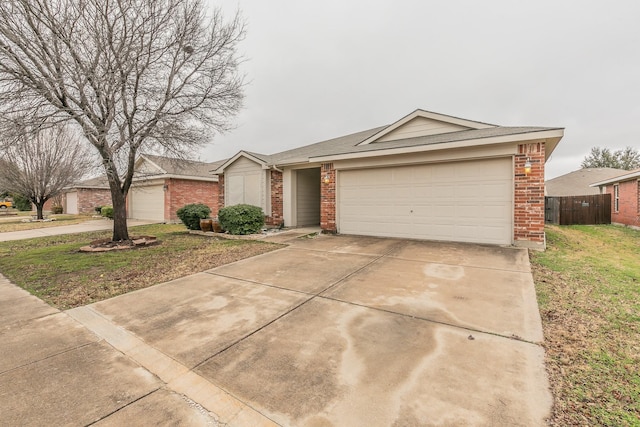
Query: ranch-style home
point(425, 176)
point(625, 197)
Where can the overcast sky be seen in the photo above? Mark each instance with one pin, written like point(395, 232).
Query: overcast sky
point(323, 69)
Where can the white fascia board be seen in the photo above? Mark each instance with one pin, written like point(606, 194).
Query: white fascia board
point(223, 166)
point(169, 176)
point(616, 179)
point(428, 115)
point(534, 137)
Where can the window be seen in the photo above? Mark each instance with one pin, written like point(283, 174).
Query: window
point(616, 197)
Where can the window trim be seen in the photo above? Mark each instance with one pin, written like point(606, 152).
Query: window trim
point(616, 197)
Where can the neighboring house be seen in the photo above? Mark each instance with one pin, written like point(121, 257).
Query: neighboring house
point(162, 185)
point(578, 183)
point(84, 197)
point(625, 197)
point(425, 176)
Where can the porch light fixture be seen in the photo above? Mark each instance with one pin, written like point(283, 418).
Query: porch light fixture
point(527, 167)
point(326, 179)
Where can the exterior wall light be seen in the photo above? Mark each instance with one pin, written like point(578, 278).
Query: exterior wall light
point(527, 167)
point(326, 179)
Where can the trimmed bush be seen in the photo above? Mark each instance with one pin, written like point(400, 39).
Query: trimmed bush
point(56, 210)
point(191, 214)
point(21, 203)
point(107, 211)
point(241, 219)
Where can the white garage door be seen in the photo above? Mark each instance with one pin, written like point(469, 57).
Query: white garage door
point(147, 203)
point(463, 201)
point(72, 203)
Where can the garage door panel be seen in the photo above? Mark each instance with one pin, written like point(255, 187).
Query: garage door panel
point(463, 201)
point(147, 203)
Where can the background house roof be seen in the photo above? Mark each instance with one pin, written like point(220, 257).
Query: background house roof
point(624, 176)
point(175, 166)
point(97, 182)
point(577, 183)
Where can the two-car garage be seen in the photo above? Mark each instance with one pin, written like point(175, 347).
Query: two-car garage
point(464, 201)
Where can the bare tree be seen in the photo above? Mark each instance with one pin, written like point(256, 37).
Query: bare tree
point(40, 163)
point(135, 75)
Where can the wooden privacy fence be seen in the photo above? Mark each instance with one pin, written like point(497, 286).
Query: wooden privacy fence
point(592, 209)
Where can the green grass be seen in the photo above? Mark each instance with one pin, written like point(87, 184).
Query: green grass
point(53, 269)
point(588, 286)
point(14, 223)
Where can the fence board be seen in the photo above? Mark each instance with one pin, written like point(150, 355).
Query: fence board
point(570, 210)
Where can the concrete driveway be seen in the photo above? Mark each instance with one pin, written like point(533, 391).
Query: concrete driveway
point(332, 330)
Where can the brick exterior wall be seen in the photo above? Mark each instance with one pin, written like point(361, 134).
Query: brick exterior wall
point(181, 192)
point(277, 206)
point(88, 199)
point(220, 191)
point(628, 203)
point(528, 223)
point(328, 199)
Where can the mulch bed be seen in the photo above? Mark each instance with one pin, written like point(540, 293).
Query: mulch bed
point(105, 245)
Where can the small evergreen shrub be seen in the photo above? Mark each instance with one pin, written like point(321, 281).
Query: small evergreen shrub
point(191, 214)
point(107, 212)
point(241, 219)
point(56, 210)
point(21, 203)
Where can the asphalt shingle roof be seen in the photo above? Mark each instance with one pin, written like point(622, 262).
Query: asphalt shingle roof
point(577, 183)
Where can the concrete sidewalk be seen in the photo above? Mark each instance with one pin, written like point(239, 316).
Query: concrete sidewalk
point(92, 225)
point(332, 330)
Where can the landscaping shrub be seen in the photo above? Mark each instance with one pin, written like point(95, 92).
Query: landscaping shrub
point(56, 210)
point(21, 203)
point(107, 211)
point(241, 219)
point(191, 214)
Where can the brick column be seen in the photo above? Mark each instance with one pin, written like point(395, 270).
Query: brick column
point(528, 224)
point(220, 192)
point(276, 217)
point(328, 198)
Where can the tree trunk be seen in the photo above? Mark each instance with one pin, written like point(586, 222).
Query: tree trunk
point(39, 209)
point(120, 231)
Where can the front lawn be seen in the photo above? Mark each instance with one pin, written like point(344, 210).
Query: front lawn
point(14, 223)
point(588, 286)
point(53, 269)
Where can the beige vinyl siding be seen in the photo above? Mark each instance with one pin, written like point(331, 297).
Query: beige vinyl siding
point(420, 126)
point(308, 197)
point(245, 182)
point(147, 202)
point(467, 201)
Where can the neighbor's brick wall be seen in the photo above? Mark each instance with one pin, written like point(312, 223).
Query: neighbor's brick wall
point(183, 192)
point(628, 205)
point(276, 217)
point(328, 199)
point(528, 224)
point(89, 198)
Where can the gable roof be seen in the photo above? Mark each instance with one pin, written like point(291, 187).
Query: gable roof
point(447, 124)
point(577, 183)
point(634, 174)
point(261, 159)
point(376, 142)
point(173, 167)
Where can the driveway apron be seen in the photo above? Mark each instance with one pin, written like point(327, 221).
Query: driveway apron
point(337, 330)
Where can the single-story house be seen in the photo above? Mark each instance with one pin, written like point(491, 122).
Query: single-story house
point(160, 187)
point(625, 197)
point(425, 176)
point(85, 196)
point(578, 183)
